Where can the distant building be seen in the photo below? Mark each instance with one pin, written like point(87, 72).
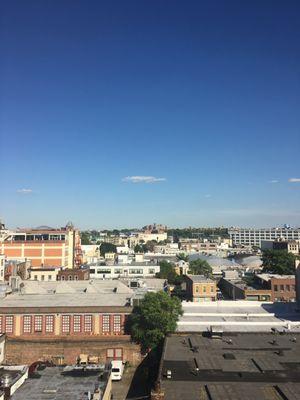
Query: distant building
point(283, 287)
point(44, 246)
point(44, 274)
point(237, 289)
point(199, 288)
point(2, 267)
point(254, 237)
point(134, 269)
point(77, 274)
point(291, 246)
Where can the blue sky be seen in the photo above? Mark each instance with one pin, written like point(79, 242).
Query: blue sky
point(122, 113)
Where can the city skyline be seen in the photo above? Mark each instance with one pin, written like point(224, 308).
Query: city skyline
point(116, 115)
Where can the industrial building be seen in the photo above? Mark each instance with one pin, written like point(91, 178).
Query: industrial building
point(254, 236)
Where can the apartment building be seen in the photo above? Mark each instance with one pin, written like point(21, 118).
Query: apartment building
point(200, 288)
point(283, 287)
point(44, 246)
point(254, 237)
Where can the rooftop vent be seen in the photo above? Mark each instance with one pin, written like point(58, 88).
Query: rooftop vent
point(229, 356)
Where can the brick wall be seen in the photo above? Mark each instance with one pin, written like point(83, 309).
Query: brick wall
point(66, 350)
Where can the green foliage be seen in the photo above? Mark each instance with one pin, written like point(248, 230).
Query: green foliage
point(156, 315)
point(107, 248)
point(138, 248)
point(197, 233)
point(278, 262)
point(200, 267)
point(85, 238)
point(167, 272)
point(183, 257)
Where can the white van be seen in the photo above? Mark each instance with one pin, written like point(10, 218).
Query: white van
point(117, 368)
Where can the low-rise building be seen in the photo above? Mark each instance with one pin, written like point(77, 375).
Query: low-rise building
point(232, 366)
point(200, 288)
point(44, 274)
point(78, 274)
point(291, 246)
point(238, 289)
point(283, 287)
point(134, 269)
point(63, 319)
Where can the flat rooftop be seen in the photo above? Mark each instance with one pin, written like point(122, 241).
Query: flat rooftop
point(93, 293)
point(52, 385)
point(200, 279)
point(240, 366)
point(239, 316)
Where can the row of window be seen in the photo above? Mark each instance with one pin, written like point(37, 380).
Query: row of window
point(283, 288)
point(69, 324)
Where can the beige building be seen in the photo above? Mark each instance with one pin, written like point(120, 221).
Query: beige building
point(200, 288)
point(44, 274)
point(2, 267)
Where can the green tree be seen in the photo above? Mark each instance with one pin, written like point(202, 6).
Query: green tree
point(85, 238)
point(278, 262)
point(156, 315)
point(166, 268)
point(200, 267)
point(183, 257)
point(107, 248)
point(138, 248)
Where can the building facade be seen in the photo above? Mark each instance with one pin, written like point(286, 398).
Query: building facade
point(254, 237)
point(199, 288)
point(44, 246)
point(135, 269)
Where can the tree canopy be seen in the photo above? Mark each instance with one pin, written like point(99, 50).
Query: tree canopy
point(183, 257)
point(200, 267)
point(278, 262)
point(85, 238)
point(107, 248)
point(156, 315)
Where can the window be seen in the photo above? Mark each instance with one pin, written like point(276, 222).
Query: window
point(204, 289)
point(152, 271)
point(27, 324)
point(35, 277)
point(70, 277)
point(43, 277)
point(212, 289)
point(197, 289)
point(1, 325)
point(49, 326)
point(65, 323)
point(88, 323)
point(38, 323)
point(92, 270)
point(9, 324)
point(117, 323)
point(62, 277)
point(281, 288)
point(49, 277)
point(77, 323)
point(288, 288)
point(275, 288)
point(114, 354)
point(106, 323)
point(76, 277)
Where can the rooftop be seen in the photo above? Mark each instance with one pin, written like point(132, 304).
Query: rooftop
point(93, 293)
point(200, 279)
point(52, 385)
point(239, 366)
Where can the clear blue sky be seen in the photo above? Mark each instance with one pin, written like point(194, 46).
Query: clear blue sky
point(198, 100)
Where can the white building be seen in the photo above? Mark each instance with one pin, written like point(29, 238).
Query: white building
point(2, 267)
point(135, 269)
point(254, 237)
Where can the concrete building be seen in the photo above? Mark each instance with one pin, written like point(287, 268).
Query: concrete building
point(239, 366)
point(44, 246)
point(199, 288)
point(134, 269)
point(64, 319)
point(254, 237)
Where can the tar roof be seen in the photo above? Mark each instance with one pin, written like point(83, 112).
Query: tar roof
point(52, 385)
point(239, 366)
point(200, 279)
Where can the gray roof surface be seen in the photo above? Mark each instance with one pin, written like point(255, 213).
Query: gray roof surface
point(237, 367)
point(54, 386)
